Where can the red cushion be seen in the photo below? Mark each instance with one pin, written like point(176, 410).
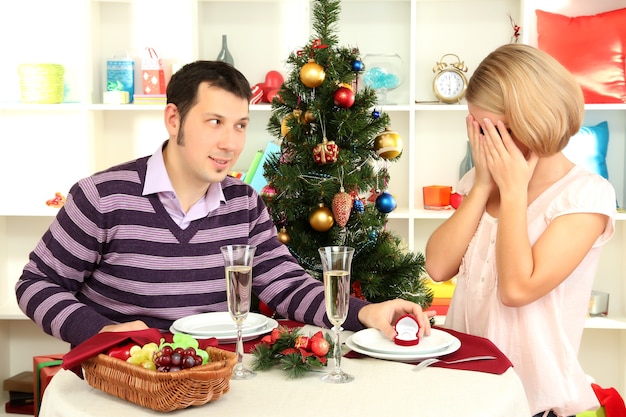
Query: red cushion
point(590, 47)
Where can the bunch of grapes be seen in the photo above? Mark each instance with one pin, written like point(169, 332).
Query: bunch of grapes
point(142, 355)
point(169, 359)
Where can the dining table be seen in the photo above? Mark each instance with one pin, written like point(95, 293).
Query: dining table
point(381, 387)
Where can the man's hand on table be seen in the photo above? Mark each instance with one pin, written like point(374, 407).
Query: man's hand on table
point(125, 327)
point(383, 316)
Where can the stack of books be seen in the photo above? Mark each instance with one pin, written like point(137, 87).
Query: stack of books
point(442, 295)
point(21, 394)
point(150, 99)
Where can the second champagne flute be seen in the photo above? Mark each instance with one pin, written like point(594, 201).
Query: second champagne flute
point(336, 264)
point(238, 267)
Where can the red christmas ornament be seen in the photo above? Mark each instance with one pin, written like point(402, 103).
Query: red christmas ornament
point(344, 97)
point(342, 205)
point(325, 152)
point(268, 193)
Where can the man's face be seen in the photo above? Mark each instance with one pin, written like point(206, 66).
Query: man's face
point(212, 137)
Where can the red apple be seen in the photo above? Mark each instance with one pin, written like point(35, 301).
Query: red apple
point(455, 200)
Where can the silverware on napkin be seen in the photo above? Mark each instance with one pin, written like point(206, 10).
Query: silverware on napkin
point(427, 362)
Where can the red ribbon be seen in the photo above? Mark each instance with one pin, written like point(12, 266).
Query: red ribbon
point(317, 44)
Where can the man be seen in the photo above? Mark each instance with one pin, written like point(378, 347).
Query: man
point(137, 245)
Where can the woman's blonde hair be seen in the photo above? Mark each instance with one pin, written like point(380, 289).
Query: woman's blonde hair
point(540, 99)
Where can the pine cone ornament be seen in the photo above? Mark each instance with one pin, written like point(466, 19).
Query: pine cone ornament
point(342, 205)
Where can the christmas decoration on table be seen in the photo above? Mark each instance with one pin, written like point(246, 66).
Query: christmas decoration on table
point(328, 127)
point(293, 351)
point(57, 201)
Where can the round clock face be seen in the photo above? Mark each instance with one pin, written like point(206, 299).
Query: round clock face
point(449, 86)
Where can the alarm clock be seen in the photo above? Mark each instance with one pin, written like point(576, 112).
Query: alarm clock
point(450, 82)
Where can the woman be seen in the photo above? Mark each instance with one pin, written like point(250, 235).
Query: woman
point(525, 242)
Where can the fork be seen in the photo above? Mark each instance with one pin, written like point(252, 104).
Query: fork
point(427, 362)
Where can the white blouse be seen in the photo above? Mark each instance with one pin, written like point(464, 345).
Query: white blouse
point(542, 338)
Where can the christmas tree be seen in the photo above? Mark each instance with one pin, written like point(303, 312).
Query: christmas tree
point(327, 185)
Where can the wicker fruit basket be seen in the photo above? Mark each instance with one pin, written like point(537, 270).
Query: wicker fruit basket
point(162, 391)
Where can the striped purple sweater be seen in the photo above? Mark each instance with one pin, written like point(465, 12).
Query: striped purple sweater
point(112, 255)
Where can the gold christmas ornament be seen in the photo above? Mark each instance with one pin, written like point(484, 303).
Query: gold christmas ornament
point(308, 116)
point(321, 219)
point(284, 127)
point(312, 74)
point(388, 144)
point(283, 236)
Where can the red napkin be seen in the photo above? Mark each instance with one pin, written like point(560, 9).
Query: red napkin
point(102, 342)
point(470, 346)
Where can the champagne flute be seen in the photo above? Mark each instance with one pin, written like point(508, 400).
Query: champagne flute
point(238, 267)
point(336, 262)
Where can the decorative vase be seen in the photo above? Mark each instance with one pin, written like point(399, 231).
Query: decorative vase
point(383, 73)
point(468, 162)
point(224, 54)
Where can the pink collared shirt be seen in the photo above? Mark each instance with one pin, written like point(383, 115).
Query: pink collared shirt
point(158, 182)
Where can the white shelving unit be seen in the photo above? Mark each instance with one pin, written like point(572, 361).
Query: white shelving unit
point(46, 148)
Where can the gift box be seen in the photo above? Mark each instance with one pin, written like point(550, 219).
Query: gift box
point(152, 73)
point(44, 368)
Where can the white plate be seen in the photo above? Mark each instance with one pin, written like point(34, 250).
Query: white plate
point(217, 324)
point(456, 344)
point(232, 338)
point(373, 340)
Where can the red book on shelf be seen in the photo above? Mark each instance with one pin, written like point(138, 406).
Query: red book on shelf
point(28, 409)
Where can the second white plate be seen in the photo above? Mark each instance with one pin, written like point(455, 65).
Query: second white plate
point(232, 337)
point(409, 357)
point(217, 324)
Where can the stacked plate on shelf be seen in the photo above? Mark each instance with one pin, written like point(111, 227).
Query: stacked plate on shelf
point(221, 326)
point(372, 342)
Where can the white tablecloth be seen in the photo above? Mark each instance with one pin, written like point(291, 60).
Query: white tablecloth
point(381, 388)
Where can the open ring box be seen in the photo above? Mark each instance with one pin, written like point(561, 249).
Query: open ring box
point(406, 331)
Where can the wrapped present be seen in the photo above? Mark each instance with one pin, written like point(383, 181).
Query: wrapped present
point(152, 73)
point(44, 368)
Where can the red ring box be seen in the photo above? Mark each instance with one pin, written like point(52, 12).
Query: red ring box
point(406, 331)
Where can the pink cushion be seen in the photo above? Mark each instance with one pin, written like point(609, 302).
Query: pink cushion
point(590, 47)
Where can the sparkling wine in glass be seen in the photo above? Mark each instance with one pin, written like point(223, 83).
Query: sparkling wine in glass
point(336, 264)
point(238, 267)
